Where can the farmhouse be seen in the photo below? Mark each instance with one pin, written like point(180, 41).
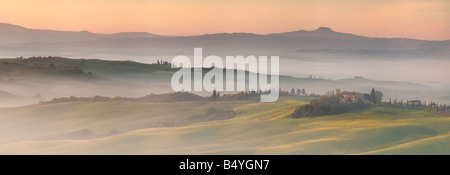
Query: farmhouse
point(352, 97)
point(414, 103)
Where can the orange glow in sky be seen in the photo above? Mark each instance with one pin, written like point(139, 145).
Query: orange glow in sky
point(418, 19)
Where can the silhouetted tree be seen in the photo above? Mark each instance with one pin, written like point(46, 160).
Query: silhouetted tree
point(373, 97)
point(366, 96)
point(292, 91)
point(214, 95)
point(52, 66)
point(349, 100)
point(338, 91)
point(325, 105)
point(378, 96)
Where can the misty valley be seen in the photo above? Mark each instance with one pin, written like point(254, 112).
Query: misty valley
point(65, 92)
point(55, 105)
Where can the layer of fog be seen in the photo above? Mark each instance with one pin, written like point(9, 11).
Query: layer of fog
point(432, 74)
point(419, 70)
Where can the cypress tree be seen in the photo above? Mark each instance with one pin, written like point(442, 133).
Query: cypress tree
point(373, 97)
point(214, 95)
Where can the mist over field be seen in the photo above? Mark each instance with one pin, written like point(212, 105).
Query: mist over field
point(85, 93)
point(322, 52)
point(121, 127)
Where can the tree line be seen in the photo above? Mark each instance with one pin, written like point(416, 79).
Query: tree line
point(169, 97)
point(330, 103)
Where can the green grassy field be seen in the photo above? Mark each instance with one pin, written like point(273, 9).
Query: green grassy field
point(257, 128)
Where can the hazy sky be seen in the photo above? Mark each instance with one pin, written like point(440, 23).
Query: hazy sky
point(420, 19)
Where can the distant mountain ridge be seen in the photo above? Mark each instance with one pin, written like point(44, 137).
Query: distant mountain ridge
point(20, 41)
point(14, 34)
point(14, 30)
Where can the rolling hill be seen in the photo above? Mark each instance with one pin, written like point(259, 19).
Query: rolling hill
point(257, 128)
point(91, 77)
point(11, 100)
